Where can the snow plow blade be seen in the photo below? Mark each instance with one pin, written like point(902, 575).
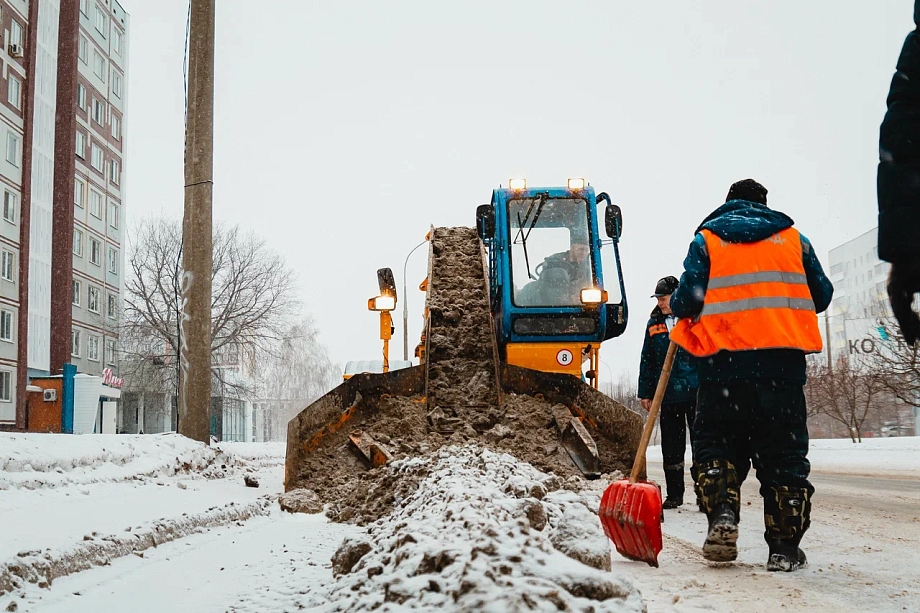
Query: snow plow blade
point(344, 406)
point(614, 430)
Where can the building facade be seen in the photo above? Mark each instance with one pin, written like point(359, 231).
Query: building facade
point(61, 179)
point(860, 295)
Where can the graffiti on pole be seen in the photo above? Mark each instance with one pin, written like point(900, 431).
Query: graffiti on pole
point(187, 280)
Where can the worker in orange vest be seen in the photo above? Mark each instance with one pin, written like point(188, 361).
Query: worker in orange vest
point(748, 298)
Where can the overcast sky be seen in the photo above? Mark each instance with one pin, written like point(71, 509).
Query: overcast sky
point(345, 129)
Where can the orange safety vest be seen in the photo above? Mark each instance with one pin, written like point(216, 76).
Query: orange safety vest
point(757, 298)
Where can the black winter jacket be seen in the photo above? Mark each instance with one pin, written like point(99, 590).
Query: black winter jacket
point(684, 380)
point(899, 154)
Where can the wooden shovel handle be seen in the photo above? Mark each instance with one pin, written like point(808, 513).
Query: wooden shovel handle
point(653, 413)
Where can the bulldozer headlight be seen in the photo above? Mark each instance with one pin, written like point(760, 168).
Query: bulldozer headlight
point(517, 184)
point(593, 295)
point(382, 303)
point(576, 184)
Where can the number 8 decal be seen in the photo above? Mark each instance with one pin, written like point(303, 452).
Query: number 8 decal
point(564, 357)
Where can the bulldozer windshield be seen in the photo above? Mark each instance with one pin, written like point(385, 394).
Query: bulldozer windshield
point(551, 260)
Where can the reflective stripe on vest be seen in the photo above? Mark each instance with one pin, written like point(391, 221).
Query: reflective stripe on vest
point(757, 298)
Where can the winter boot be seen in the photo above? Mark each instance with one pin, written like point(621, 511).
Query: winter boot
point(674, 478)
point(722, 538)
point(787, 515)
point(721, 498)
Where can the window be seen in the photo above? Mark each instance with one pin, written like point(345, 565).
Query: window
point(99, 66)
point(81, 96)
point(116, 127)
point(116, 83)
point(15, 33)
point(75, 343)
point(110, 352)
point(92, 348)
point(95, 252)
point(82, 49)
point(77, 288)
point(92, 299)
point(78, 242)
point(81, 145)
point(113, 261)
point(101, 21)
point(14, 91)
point(84, 7)
point(9, 206)
point(113, 215)
point(6, 326)
point(79, 192)
point(117, 44)
point(95, 204)
point(6, 265)
point(12, 149)
point(113, 307)
point(114, 172)
point(98, 161)
point(6, 382)
point(98, 112)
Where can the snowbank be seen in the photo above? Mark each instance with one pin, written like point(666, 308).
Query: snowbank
point(34, 461)
point(891, 457)
point(478, 535)
point(896, 456)
point(51, 460)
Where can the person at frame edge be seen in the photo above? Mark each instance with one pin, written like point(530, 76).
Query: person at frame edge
point(748, 301)
point(679, 404)
point(899, 186)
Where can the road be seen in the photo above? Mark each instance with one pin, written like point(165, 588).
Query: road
point(863, 550)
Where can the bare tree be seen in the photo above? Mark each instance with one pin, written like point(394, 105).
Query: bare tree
point(898, 362)
point(847, 394)
point(252, 306)
point(295, 374)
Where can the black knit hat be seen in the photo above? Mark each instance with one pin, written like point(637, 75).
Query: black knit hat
point(665, 286)
point(749, 190)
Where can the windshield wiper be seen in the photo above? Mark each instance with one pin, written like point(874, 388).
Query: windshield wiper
point(539, 201)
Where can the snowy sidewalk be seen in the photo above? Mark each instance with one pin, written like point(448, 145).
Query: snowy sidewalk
point(58, 492)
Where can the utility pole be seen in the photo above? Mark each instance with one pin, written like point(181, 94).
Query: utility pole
point(195, 362)
point(827, 335)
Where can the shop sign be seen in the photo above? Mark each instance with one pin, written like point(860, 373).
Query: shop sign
point(109, 378)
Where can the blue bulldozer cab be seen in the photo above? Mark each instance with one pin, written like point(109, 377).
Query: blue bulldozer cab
point(547, 283)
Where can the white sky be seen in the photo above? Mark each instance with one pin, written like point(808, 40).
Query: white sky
point(345, 129)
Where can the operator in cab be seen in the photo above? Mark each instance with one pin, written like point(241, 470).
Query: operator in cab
point(565, 274)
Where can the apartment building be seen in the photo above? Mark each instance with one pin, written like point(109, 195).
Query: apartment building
point(61, 180)
point(860, 295)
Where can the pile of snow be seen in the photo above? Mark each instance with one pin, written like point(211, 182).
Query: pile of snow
point(483, 532)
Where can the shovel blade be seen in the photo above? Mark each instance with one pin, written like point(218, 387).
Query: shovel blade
point(631, 516)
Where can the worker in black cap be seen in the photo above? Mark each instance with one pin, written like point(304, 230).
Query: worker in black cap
point(679, 404)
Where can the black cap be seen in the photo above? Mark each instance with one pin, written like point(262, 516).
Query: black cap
point(665, 286)
point(749, 190)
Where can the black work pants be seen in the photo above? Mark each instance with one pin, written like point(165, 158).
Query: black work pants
point(676, 418)
point(759, 422)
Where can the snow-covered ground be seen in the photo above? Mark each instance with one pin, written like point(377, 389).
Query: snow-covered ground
point(164, 523)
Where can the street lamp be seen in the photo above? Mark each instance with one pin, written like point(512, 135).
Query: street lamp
point(406, 304)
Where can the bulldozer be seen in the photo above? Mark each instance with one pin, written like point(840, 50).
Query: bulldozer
point(515, 307)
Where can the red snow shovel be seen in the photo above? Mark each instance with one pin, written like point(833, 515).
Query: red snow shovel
point(631, 512)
